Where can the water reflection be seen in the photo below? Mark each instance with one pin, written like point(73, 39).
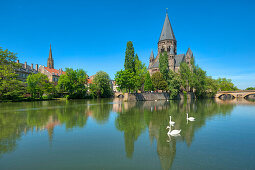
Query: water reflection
point(132, 119)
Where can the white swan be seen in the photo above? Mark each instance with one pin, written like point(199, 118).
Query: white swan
point(174, 132)
point(190, 118)
point(171, 122)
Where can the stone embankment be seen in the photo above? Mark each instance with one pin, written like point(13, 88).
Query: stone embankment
point(153, 96)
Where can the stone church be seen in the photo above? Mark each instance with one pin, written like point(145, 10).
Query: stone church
point(168, 43)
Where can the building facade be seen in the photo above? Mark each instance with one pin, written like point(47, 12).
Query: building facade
point(25, 70)
point(168, 43)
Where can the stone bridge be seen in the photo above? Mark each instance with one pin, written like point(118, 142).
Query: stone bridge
point(235, 94)
point(118, 94)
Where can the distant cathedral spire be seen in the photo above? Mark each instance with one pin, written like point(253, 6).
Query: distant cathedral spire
point(167, 31)
point(50, 62)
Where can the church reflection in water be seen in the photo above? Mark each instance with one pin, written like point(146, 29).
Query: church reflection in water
point(132, 119)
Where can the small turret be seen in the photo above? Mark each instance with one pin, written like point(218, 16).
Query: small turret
point(189, 56)
point(152, 56)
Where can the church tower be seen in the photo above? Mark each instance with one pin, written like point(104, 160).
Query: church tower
point(50, 62)
point(167, 38)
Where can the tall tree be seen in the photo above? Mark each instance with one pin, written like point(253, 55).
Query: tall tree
point(140, 71)
point(163, 65)
point(129, 57)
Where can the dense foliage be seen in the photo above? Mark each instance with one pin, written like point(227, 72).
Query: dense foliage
point(101, 85)
point(159, 83)
point(38, 84)
point(226, 84)
point(250, 88)
point(126, 80)
point(74, 82)
point(148, 86)
point(10, 87)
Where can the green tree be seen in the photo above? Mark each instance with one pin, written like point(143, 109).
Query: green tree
point(186, 76)
point(148, 86)
point(250, 88)
point(226, 84)
point(212, 87)
point(140, 71)
point(73, 82)
point(163, 65)
point(174, 83)
point(158, 81)
point(129, 57)
point(126, 80)
point(10, 88)
point(38, 84)
point(101, 85)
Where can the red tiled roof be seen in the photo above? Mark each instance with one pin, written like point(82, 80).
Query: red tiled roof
point(55, 71)
point(89, 81)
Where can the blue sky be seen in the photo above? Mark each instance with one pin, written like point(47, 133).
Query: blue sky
point(92, 35)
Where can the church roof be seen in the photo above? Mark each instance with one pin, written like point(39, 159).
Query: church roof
point(155, 65)
point(54, 71)
point(167, 31)
point(179, 59)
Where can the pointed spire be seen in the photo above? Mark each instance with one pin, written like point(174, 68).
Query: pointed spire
point(167, 31)
point(152, 55)
point(50, 62)
point(50, 54)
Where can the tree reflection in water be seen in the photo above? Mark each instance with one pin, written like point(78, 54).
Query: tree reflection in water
point(133, 118)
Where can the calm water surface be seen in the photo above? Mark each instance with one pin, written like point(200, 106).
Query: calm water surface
point(110, 134)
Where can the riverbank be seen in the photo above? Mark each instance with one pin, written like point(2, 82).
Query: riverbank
point(30, 100)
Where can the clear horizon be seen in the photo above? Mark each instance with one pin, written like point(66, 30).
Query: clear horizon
point(93, 35)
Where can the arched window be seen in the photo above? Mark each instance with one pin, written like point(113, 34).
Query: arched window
point(168, 48)
point(162, 50)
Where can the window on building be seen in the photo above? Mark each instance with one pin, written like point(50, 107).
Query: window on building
point(162, 50)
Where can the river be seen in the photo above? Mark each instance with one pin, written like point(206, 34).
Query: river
point(111, 134)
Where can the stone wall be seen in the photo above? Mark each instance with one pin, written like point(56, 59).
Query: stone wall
point(146, 96)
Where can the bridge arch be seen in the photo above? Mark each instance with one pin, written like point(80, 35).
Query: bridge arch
point(227, 95)
point(246, 95)
point(119, 95)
